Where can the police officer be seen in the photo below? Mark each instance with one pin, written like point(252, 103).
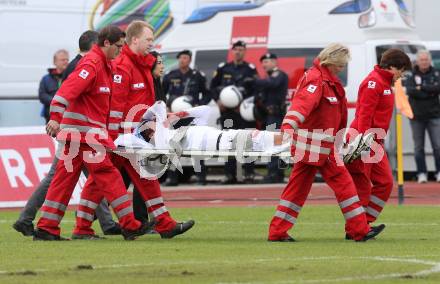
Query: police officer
point(271, 106)
point(241, 74)
point(185, 81)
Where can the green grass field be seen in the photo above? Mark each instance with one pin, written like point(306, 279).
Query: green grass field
point(228, 245)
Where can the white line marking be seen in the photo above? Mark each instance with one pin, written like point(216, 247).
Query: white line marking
point(434, 269)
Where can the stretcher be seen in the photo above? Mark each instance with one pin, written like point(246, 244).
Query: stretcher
point(154, 162)
point(200, 154)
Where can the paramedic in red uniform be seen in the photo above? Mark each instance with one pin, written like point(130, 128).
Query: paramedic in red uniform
point(374, 109)
point(318, 111)
point(133, 93)
point(78, 117)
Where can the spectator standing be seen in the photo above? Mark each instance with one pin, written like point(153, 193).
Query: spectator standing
point(423, 89)
point(50, 82)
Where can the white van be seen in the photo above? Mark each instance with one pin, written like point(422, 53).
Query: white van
point(434, 48)
point(35, 29)
point(296, 30)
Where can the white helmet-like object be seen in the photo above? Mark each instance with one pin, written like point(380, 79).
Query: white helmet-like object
point(231, 96)
point(247, 109)
point(181, 103)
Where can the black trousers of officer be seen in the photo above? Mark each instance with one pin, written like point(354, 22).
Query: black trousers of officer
point(230, 119)
point(139, 207)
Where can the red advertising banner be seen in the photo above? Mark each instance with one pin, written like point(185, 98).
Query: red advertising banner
point(254, 31)
point(26, 154)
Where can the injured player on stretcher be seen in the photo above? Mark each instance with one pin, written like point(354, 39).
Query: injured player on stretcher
point(155, 132)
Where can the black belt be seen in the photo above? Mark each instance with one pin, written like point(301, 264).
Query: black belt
point(217, 146)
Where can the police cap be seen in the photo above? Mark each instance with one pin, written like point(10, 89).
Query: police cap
point(184, 52)
point(268, 56)
point(239, 43)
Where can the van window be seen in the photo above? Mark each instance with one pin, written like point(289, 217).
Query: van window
point(436, 58)
point(352, 7)
point(208, 60)
point(295, 61)
point(410, 49)
point(170, 61)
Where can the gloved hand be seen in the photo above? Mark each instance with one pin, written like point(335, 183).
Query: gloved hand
point(354, 149)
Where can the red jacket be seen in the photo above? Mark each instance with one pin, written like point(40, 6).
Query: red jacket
point(132, 87)
point(317, 112)
point(82, 103)
point(375, 104)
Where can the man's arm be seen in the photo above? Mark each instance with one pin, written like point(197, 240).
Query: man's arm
point(369, 96)
point(271, 82)
point(412, 90)
point(80, 80)
point(216, 81)
point(206, 95)
point(434, 88)
point(119, 99)
point(249, 82)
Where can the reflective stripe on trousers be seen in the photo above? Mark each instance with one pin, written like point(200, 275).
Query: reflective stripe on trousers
point(285, 216)
point(154, 201)
point(159, 211)
point(85, 215)
point(354, 213)
point(290, 205)
point(55, 205)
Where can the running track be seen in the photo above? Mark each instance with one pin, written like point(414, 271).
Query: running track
point(268, 195)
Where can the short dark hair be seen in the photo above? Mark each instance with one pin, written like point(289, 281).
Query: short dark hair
point(396, 58)
point(87, 39)
point(184, 52)
point(111, 33)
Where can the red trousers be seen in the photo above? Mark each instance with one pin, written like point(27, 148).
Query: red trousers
point(374, 183)
point(298, 188)
point(150, 191)
point(106, 176)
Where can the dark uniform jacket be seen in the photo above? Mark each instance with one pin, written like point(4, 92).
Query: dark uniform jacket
point(272, 93)
point(191, 83)
point(242, 75)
